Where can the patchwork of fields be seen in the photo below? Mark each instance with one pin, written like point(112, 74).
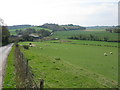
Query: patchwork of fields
point(73, 65)
point(65, 34)
point(68, 63)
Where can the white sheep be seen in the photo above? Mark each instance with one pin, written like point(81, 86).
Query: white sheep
point(30, 45)
point(105, 54)
point(111, 52)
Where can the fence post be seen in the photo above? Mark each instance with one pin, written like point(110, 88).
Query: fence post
point(26, 67)
point(41, 84)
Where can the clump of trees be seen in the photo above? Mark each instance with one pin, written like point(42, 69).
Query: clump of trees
point(5, 35)
point(27, 31)
point(114, 29)
point(26, 37)
point(31, 34)
point(13, 39)
point(43, 33)
point(56, 27)
point(26, 47)
point(73, 27)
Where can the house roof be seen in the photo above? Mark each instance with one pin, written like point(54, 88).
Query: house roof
point(33, 35)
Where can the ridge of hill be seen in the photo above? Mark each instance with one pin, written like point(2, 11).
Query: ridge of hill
point(18, 26)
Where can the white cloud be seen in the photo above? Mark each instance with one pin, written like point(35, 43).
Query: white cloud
point(82, 12)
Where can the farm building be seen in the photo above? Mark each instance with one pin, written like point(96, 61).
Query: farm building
point(35, 36)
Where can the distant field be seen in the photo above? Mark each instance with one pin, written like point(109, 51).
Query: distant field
point(12, 31)
point(85, 42)
point(73, 65)
point(65, 34)
point(98, 27)
point(99, 33)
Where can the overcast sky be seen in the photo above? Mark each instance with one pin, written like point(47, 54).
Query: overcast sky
point(78, 12)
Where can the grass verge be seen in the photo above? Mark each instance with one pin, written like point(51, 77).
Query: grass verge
point(9, 79)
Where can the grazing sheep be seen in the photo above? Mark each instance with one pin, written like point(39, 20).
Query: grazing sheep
point(111, 53)
point(105, 54)
point(30, 45)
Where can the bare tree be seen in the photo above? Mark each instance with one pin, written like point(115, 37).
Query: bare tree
point(1, 22)
point(4, 33)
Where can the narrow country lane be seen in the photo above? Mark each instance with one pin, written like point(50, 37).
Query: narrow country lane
point(4, 52)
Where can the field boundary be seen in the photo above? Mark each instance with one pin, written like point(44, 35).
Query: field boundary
point(24, 75)
point(90, 44)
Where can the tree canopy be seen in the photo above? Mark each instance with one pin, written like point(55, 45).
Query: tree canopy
point(5, 35)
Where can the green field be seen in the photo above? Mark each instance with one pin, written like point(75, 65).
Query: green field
point(12, 31)
point(73, 65)
point(99, 33)
point(68, 63)
point(85, 42)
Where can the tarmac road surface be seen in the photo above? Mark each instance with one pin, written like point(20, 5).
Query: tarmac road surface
point(4, 52)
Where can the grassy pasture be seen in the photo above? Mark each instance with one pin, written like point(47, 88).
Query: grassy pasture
point(85, 42)
point(69, 63)
point(73, 65)
point(99, 33)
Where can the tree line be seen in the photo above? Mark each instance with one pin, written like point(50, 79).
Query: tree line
point(19, 26)
point(91, 37)
point(41, 32)
point(115, 29)
point(56, 27)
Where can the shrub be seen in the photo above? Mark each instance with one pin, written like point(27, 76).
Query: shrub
point(16, 44)
point(57, 68)
point(57, 58)
point(26, 46)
